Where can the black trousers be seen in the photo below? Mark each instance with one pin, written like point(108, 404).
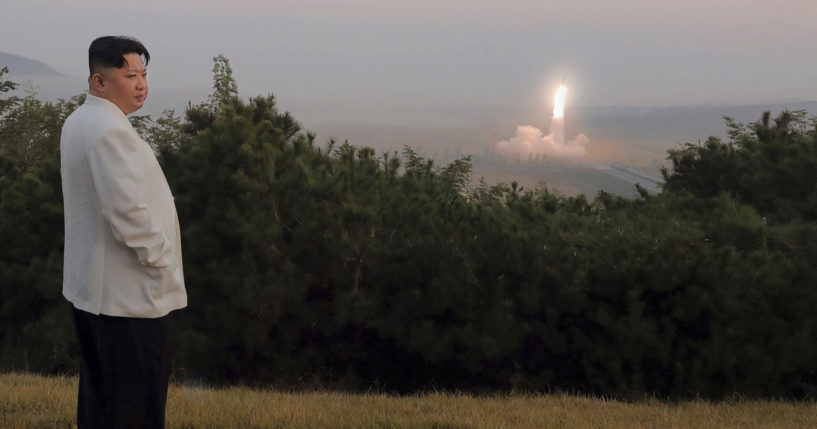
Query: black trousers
point(125, 370)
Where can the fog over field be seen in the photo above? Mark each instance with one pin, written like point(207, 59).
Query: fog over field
point(636, 136)
point(449, 77)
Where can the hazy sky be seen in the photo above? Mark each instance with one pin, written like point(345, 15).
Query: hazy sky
point(375, 55)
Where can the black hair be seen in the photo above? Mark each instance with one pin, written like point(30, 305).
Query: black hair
point(109, 51)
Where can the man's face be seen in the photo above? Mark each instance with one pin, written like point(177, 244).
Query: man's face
point(127, 87)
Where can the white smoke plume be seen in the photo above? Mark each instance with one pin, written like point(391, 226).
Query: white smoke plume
point(529, 140)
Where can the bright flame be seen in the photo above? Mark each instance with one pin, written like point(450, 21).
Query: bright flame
point(559, 102)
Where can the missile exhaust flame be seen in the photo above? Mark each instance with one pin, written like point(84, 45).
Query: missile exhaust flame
point(559, 102)
point(531, 141)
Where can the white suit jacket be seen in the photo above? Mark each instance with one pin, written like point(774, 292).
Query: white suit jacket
point(123, 253)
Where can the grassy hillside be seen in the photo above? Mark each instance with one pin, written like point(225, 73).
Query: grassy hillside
point(29, 401)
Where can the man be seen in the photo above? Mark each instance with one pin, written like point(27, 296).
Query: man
point(123, 260)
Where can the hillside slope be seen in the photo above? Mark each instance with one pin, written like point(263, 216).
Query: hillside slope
point(19, 65)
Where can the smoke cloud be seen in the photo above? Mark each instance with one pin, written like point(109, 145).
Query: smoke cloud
point(531, 141)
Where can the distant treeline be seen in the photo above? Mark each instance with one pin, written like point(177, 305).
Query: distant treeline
point(330, 265)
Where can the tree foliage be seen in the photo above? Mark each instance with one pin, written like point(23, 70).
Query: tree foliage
point(35, 327)
point(768, 165)
point(6, 86)
point(225, 88)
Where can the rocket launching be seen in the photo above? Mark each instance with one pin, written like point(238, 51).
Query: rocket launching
point(557, 121)
point(531, 141)
point(559, 101)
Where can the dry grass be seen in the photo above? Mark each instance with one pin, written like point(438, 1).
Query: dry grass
point(28, 401)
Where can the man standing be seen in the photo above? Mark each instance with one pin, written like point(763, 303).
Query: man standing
point(123, 261)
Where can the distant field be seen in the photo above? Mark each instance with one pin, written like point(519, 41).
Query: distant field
point(569, 178)
point(28, 401)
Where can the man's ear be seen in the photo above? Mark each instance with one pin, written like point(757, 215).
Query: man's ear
point(97, 81)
